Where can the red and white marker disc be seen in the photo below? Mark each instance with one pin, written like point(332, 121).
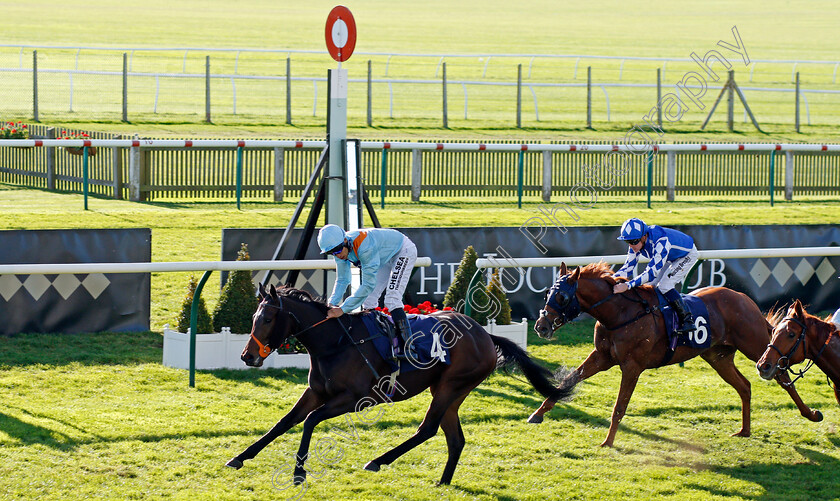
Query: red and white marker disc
point(340, 33)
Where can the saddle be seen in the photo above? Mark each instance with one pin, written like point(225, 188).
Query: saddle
point(426, 333)
point(700, 338)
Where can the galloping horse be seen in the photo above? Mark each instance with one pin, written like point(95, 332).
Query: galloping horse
point(630, 333)
point(818, 339)
point(345, 368)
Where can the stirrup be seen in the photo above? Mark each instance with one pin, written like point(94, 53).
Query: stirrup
point(683, 331)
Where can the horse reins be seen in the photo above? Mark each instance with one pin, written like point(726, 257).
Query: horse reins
point(648, 309)
point(265, 350)
point(799, 340)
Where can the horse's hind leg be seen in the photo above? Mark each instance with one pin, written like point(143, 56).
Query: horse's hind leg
point(784, 381)
point(594, 363)
point(723, 362)
point(451, 426)
point(441, 403)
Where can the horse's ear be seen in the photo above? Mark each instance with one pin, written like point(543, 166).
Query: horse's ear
point(563, 269)
point(262, 291)
point(273, 291)
point(797, 309)
point(575, 275)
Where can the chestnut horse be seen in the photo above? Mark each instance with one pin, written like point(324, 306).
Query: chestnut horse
point(800, 335)
point(345, 368)
point(630, 333)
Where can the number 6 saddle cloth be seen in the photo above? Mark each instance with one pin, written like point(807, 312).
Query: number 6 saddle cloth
point(701, 337)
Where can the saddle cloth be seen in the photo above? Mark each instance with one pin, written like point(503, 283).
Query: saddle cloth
point(701, 337)
point(425, 338)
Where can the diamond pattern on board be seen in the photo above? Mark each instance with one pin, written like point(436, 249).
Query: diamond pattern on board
point(9, 285)
point(36, 285)
point(825, 271)
point(760, 272)
point(804, 271)
point(782, 272)
point(95, 283)
point(66, 284)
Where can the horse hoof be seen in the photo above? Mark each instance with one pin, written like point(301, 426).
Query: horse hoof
point(535, 419)
point(818, 416)
point(234, 463)
point(372, 466)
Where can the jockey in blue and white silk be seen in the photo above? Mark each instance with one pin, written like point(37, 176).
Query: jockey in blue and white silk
point(386, 258)
point(672, 254)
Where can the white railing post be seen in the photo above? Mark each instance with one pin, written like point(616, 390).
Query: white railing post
point(134, 169)
point(788, 175)
point(279, 168)
point(546, 177)
point(671, 176)
point(116, 156)
point(416, 173)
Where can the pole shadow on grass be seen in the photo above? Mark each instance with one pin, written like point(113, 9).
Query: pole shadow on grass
point(815, 478)
point(103, 348)
point(32, 434)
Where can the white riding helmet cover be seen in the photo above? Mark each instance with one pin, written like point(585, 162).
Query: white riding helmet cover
point(330, 237)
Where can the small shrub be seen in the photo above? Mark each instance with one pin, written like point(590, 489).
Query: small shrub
point(457, 292)
point(204, 325)
point(492, 299)
point(238, 300)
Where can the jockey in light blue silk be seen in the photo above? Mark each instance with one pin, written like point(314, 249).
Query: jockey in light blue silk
point(672, 254)
point(386, 258)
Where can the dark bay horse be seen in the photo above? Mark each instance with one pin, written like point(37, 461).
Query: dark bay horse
point(631, 334)
point(345, 368)
point(800, 335)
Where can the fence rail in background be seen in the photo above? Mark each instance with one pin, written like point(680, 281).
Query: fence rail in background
point(142, 170)
point(206, 266)
point(245, 84)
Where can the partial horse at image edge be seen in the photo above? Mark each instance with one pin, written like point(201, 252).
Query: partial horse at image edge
point(818, 338)
point(637, 340)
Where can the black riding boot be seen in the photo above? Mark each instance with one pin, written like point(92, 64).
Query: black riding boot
point(684, 317)
point(404, 333)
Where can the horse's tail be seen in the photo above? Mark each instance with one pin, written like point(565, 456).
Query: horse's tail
point(541, 378)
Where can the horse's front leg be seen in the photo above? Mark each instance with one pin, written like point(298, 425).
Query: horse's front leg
point(784, 381)
point(629, 377)
point(307, 403)
point(338, 405)
point(596, 362)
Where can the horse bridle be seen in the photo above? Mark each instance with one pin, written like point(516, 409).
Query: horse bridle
point(785, 366)
point(571, 307)
point(568, 311)
point(265, 349)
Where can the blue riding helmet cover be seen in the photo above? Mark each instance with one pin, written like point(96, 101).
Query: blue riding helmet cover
point(632, 229)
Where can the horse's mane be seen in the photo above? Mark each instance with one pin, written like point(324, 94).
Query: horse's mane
point(599, 270)
point(775, 316)
point(303, 297)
